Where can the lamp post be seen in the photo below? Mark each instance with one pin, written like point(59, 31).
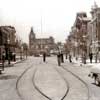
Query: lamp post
point(21, 51)
point(59, 54)
point(84, 49)
point(3, 59)
point(76, 50)
point(8, 52)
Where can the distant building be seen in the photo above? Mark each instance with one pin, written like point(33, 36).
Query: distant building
point(40, 45)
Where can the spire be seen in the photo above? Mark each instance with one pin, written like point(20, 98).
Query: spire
point(32, 30)
point(32, 34)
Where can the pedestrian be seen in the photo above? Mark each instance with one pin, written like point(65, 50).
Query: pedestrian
point(91, 57)
point(84, 58)
point(44, 57)
point(96, 56)
point(66, 55)
point(99, 56)
point(3, 59)
point(59, 59)
point(62, 57)
point(70, 58)
point(14, 57)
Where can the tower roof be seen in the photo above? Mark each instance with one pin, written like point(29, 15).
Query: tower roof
point(32, 31)
point(32, 34)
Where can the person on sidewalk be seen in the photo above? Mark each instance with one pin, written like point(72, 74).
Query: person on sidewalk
point(44, 57)
point(14, 56)
point(59, 59)
point(91, 57)
point(3, 59)
point(62, 57)
point(66, 55)
point(99, 56)
point(70, 58)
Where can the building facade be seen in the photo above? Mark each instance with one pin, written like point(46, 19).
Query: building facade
point(81, 24)
point(79, 34)
point(7, 40)
point(40, 45)
point(95, 30)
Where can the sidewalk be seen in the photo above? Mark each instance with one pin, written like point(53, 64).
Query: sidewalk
point(88, 64)
point(12, 62)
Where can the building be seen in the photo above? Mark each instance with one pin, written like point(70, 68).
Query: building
point(95, 30)
point(3, 41)
point(40, 45)
point(7, 40)
point(81, 24)
point(89, 37)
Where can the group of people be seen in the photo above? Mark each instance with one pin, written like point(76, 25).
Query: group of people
point(97, 57)
point(60, 58)
point(11, 55)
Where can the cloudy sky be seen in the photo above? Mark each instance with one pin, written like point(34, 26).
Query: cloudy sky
point(56, 16)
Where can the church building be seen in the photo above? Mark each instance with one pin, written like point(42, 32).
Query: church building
point(39, 45)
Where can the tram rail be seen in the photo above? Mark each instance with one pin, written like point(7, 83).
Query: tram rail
point(76, 76)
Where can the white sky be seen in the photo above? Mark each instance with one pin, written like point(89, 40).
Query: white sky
point(57, 16)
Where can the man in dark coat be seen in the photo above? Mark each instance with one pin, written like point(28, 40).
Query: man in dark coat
point(70, 58)
point(90, 56)
point(59, 59)
point(44, 57)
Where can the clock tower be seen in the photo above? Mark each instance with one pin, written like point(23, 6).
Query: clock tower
point(31, 37)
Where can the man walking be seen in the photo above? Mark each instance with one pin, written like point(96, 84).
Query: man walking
point(90, 56)
point(59, 59)
point(70, 58)
point(62, 57)
point(44, 57)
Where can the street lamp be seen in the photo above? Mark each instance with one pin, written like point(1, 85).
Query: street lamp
point(21, 51)
point(84, 49)
point(8, 51)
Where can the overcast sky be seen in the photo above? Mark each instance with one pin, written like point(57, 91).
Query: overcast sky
point(57, 16)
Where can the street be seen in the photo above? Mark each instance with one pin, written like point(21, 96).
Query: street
point(34, 79)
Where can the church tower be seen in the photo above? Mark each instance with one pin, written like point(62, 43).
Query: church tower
point(31, 38)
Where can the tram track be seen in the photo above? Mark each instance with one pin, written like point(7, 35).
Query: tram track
point(41, 92)
point(33, 82)
point(18, 80)
point(86, 85)
point(36, 87)
point(76, 76)
point(67, 83)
